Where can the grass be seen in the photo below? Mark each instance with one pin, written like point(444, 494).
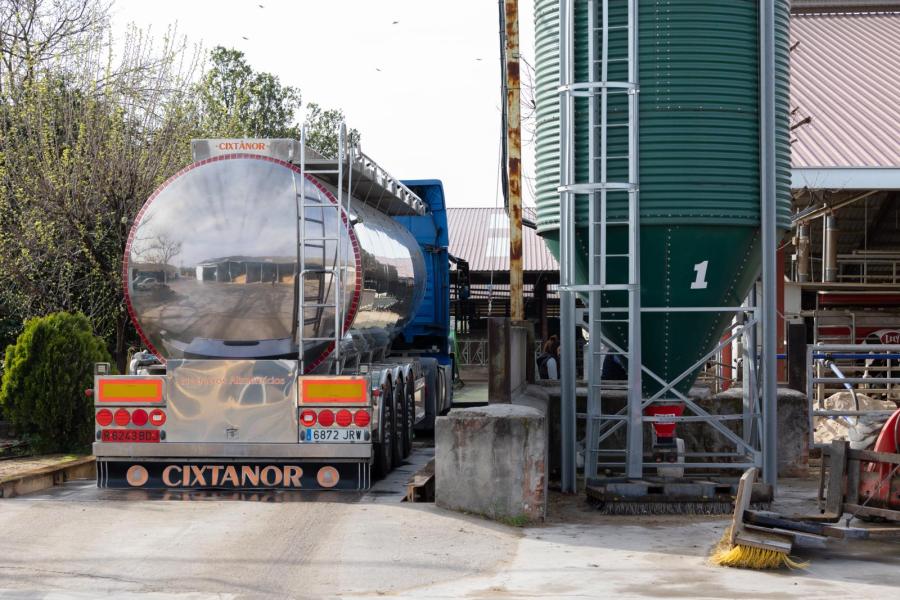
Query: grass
point(514, 520)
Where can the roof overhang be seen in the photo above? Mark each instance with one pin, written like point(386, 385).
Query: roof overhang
point(845, 178)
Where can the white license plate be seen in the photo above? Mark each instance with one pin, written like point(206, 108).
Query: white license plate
point(333, 435)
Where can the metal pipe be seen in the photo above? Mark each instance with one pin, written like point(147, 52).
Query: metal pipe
point(514, 160)
point(567, 259)
point(831, 235)
point(847, 386)
point(768, 198)
point(634, 467)
point(808, 215)
point(803, 253)
point(823, 250)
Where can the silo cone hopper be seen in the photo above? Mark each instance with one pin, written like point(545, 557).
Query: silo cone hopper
point(698, 124)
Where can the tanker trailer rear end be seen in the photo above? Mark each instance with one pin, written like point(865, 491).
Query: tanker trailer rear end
point(295, 310)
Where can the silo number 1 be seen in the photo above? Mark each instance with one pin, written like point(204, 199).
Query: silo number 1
point(700, 282)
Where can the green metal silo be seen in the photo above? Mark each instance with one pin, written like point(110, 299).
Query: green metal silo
point(699, 165)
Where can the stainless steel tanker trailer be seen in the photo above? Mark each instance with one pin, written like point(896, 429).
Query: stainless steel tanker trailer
point(295, 312)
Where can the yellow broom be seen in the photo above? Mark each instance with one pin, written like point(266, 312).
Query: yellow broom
point(751, 550)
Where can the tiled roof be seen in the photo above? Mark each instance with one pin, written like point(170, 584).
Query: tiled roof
point(481, 236)
point(845, 76)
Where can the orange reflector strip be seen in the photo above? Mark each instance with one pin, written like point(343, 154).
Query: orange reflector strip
point(130, 390)
point(333, 391)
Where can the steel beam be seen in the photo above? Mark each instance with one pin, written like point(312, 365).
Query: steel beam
point(567, 259)
point(768, 198)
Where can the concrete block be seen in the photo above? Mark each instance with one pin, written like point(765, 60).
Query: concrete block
point(491, 461)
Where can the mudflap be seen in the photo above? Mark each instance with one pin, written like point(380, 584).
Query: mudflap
point(228, 475)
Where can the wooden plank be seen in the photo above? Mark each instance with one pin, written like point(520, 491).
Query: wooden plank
point(777, 537)
point(853, 468)
point(881, 533)
point(869, 511)
point(420, 487)
point(763, 541)
point(868, 455)
point(742, 502)
point(834, 500)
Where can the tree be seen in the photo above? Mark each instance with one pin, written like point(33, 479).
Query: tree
point(47, 371)
point(323, 130)
point(83, 142)
point(34, 32)
point(235, 101)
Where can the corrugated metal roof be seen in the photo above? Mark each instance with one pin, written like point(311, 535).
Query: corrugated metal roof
point(844, 75)
point(481, 236)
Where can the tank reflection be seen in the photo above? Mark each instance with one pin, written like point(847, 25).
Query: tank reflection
point(213, 265)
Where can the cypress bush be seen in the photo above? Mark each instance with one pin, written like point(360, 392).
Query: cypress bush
point(46, 373)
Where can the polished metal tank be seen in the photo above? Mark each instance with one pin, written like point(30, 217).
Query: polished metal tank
point(212, 258)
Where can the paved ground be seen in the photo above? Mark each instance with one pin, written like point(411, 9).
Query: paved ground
point(80, 542)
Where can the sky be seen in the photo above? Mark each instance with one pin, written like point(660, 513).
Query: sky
point(420, 79)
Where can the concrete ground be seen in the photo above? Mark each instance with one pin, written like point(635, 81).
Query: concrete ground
point(472, 393)
point(79, 542)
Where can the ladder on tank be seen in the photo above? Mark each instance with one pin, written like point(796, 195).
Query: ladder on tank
point(611, 91)
point(330, 297)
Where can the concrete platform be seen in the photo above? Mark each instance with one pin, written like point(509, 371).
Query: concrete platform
point(491, 461)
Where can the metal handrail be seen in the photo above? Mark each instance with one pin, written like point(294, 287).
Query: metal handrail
point(824, 355)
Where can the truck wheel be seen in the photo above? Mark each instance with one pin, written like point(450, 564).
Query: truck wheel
point(409, 417)
point(398, 423)
point(384, 449)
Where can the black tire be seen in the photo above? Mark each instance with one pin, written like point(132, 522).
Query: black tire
point(409, 417)
point(398, 423)
point(384, 449)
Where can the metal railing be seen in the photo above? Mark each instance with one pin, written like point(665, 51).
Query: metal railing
point(472, 352)
point(869, 268)
point(870, 369)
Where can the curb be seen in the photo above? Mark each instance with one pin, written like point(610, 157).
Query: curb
point(41, 479)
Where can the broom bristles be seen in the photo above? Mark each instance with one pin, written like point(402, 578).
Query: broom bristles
point(751, 557)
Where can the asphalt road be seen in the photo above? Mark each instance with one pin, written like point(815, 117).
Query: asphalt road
point(78, 541)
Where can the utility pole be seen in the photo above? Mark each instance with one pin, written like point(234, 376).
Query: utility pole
point(514, 158)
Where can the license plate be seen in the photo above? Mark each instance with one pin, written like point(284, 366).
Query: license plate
point(333, 435)
point(130, 435)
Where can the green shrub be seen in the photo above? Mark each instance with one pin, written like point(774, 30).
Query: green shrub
point(46, 373)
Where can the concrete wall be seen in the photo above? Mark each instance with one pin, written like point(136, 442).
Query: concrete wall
point(511, 358)
point(492, 461)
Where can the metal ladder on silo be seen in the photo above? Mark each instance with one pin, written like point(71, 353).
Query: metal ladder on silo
point(602, 309)
point(321, 273)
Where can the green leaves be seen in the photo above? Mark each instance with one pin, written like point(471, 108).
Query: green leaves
point(323, 129)
point(46, 373)
point(235, 101)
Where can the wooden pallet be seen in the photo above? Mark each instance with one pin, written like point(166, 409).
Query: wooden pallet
point(420, 487)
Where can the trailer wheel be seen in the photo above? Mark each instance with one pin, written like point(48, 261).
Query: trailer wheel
point(384, 449)
point(398, 422)
point(409, 416)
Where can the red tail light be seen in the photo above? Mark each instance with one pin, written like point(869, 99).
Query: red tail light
point(308, 418)
point(139, 417)
point(157, 417)
point(122, 417)
point(326, 418)
point(104, 417)
point(361, 418)
point(343, 417)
